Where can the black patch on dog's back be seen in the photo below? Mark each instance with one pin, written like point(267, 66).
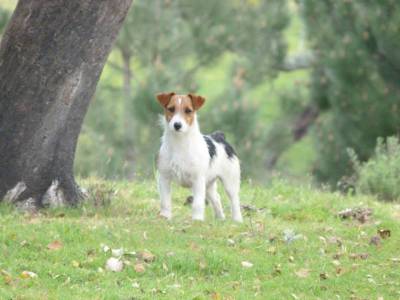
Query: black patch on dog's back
point(219, 137)
point(212, 150)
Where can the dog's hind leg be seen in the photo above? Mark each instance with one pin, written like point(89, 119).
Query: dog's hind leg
point(231, 182)
point(213, 196)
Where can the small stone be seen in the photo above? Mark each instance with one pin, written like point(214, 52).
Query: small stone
point(114, 264)
point(246, 264)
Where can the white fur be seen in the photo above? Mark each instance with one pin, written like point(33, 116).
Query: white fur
point(184, 158)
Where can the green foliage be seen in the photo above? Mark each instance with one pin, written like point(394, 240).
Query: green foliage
point(201, 260)
point(4, 17)
point(356, 80)
point(380, 175)
point(164, 46)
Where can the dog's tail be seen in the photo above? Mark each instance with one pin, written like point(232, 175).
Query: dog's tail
point(218, 136)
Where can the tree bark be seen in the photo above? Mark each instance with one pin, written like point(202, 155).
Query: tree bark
point(51, 58)
point(299, 130)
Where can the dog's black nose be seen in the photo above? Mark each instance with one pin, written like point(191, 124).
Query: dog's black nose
point(177, 126)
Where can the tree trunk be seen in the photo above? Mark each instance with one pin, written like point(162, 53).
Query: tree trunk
point(51, 57)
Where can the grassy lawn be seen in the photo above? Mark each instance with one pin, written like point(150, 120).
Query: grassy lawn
point(292, 246)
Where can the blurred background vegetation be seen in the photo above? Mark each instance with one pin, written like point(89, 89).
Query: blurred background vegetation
point(293, 84)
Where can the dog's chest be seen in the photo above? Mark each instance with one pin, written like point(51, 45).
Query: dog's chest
point(183, 164)
point(182, 168)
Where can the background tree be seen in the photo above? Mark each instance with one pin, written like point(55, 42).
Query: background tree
point(174, 42)
point(51, 57)
point(286, 80)
point(355, 81)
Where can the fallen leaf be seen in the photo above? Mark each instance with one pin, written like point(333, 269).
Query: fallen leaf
point(6, 276)
point(104, 247)
point(260, 227)
point(117, 252)
point(277, 270)
point(358, 255)
point(165, 267)
point(335, 240)
point(248, 207)
point(131, 253)
point(216, 296)
point(4, 273)
point(272, 238)
point(175, 286)
point(371, 279)
point(75, 264)
point(323, 276)
point(337, 255)
point(384, 233)
point(28, 274)
point(55, 245)
point(114, 264)
point(303, 273)
point(289, 236)
point(139, 268)
point(231, 242)
point(146, 256)
point(375, 240)
point(127, 262)
point(336, 262)
point(202, 265)
point(193, 246)
point(246, 264)
point(362, 214)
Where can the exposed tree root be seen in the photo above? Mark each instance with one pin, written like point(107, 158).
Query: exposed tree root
point(55, 196)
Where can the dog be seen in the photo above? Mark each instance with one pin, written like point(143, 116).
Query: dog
point(194, 160)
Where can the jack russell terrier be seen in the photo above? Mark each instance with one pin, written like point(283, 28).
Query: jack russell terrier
point(195, 160)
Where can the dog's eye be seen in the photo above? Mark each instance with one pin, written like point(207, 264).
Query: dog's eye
point(188, 110)
point(171, 109)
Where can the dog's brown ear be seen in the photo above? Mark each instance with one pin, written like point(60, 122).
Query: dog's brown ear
point(197, 101)
point(164, 98)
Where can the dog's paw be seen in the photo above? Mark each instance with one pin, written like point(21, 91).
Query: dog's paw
point(198, 217)
point(238, 218)
point(220, 217)
point(165, 215)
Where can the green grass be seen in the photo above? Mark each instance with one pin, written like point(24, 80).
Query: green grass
point(199, 260)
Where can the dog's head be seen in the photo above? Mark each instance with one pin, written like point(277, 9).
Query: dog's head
point(180, 110)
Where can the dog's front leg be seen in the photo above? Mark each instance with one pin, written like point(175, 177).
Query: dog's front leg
point(199, 194)
point(164, 188)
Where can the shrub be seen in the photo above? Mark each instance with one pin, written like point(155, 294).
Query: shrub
point(380, 175)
